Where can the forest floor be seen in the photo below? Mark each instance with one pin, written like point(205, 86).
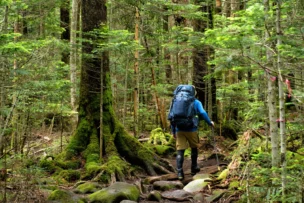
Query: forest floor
point(212, 159)
point(49, 142)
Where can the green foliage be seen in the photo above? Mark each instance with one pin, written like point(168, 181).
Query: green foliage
point(265, 179)
point(34, 71)
point(158, 136)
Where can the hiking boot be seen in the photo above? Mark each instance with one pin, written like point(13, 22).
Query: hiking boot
point(180, 174)
point(194, 170)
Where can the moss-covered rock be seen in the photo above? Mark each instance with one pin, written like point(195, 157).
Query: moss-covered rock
point(68, 164)
point(61, 196)
point(154, 196)
point(196, 185)
point(88, 187)
point(167, 185)
point(229, 130)
point(47, 183)
point(48, 165)
point(70, 175)
point(115, 193)
point(158, 136)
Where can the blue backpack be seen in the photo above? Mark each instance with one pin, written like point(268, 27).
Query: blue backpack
point(182, 113)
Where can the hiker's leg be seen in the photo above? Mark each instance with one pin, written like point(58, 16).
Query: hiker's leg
point(194, 167)
point(193, 140)
point(179, 164)
point(181, 145)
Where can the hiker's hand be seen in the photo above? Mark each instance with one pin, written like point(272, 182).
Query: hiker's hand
point(212, 124)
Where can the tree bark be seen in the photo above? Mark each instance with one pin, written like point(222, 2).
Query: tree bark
point(281, 101)
point(3, 80)
point(273, 128)
point(206, 90)
point(120, 149)
point(15, 135)
point(167, 55)
point(73, 54)
point(136, 76)
point(226, 8)
point(65, 22)
point(159, 109)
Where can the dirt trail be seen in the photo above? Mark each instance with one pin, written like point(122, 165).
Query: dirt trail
point(206, 161)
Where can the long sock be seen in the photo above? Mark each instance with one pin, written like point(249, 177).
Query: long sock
point(180, 159)
point(194, 154)
point(194, 168)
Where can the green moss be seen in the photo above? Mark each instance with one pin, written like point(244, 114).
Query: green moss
point(83, 200)
point(92, 169)
point(80, 139)
point(163, 149)
point(91, 153)
point(234, 185)
point(61, 195)
point(70, 175)
point(68, 164)
point(157, 136)
point(115, 193)
point(48, 165)
point(88, 187)
point(115, 165)
point(172, 140)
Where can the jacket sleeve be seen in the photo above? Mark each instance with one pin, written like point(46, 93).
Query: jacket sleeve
point(202, 114)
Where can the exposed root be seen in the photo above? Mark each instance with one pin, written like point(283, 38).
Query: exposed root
point(160, 168)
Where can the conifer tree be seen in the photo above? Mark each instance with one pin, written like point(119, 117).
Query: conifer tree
point(119, 146)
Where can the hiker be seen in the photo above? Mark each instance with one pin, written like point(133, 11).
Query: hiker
point(185, 113)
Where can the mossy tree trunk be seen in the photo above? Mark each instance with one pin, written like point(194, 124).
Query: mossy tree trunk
point(120, 149)
point(206, 89)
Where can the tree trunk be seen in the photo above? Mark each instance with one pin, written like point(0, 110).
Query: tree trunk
point(159, 109)
point(235, 6)
point(136, 76)
point(281, 100)
point(167, 57)
point(120, 148)
point(3, 80)
point(64, 23)
point(226, 8)
point(15, 135)
point(201, 55)
point(73, 54)
point(273, 127)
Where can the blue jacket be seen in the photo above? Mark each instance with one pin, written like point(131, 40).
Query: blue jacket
point(202, 115)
